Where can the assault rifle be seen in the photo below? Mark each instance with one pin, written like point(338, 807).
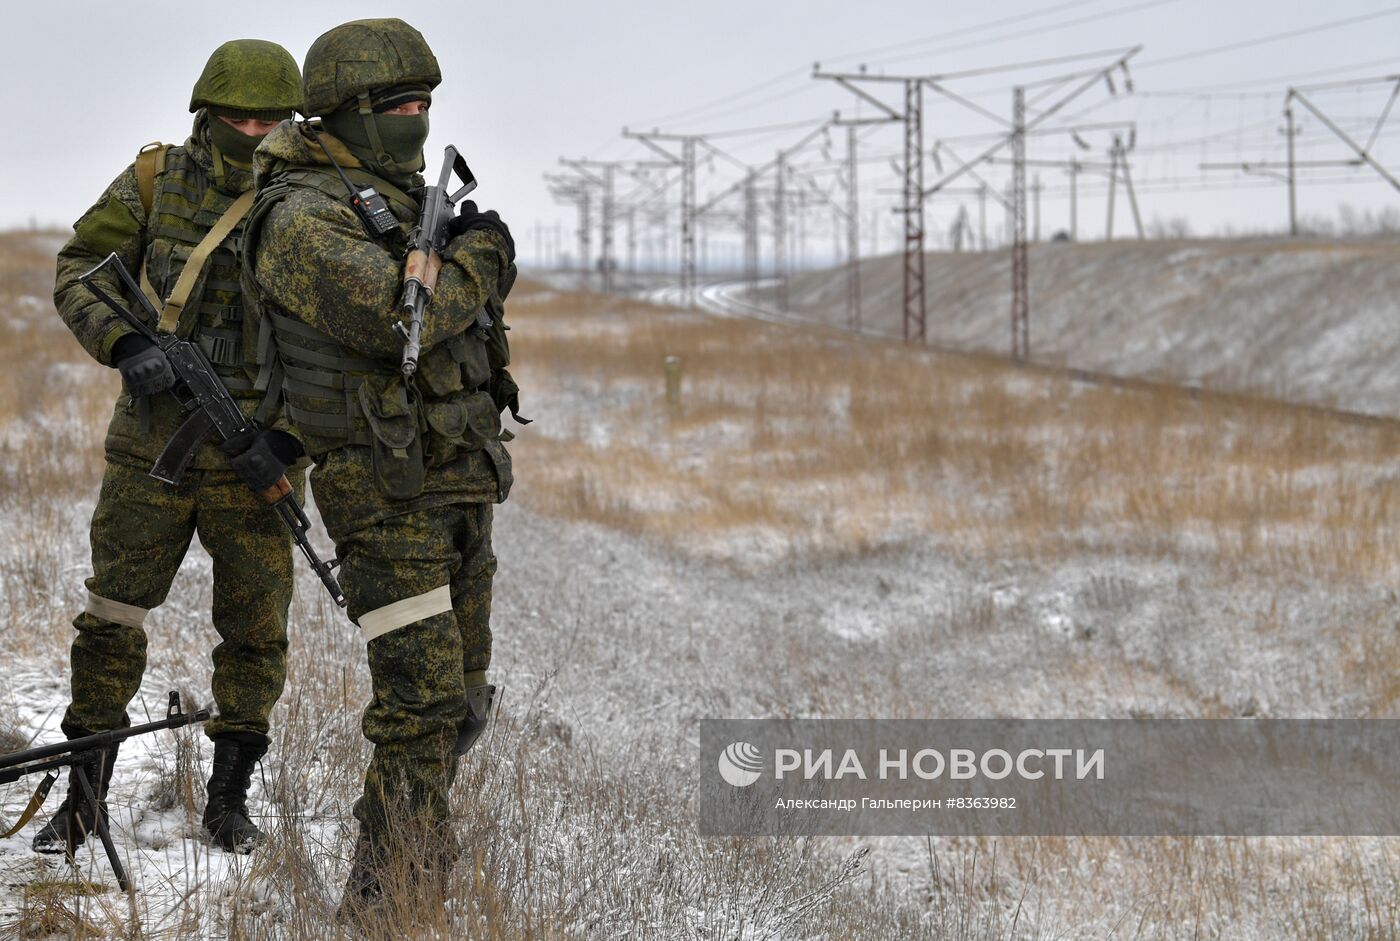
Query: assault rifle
point(428, 237)
point(80, 754)
point(211, 411)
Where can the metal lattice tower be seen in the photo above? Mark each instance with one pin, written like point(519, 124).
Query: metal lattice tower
point(1020, 282)
point(686, 162)
point(780, 229)
point(607, 263)
point(912, 208)
point(751, 229)
point(577, 191)
point(585, 237)
point(631, 239)
point(914, 192)
point(852, 233)
point(915, 296)
point(688, 276)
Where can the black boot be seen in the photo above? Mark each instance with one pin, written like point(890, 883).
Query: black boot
point(389, 887)
point(226, 813)
point(480, 700)
point(363, 894)
point(74, 818)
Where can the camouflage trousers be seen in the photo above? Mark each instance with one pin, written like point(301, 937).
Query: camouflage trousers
point(141, 530)
point(420, 582)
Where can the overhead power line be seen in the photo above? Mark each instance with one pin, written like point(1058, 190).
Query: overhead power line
point(1223, 90)
point(1021, 34)
point(1276, 37)
point(784, 78)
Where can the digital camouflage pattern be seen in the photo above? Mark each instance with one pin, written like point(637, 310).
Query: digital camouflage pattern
point(141, 528)
point(331, 293)
point(310, 261)
point(420, 672)
point(361, 55)
point(141, 531)
point(189, 198)
point(253, 76)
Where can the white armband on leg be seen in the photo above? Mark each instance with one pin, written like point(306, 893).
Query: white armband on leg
point(128, 615)
point(404, 612)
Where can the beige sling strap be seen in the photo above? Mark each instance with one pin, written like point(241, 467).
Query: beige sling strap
point(150, 163)
point(35, 802)
point(175, 303)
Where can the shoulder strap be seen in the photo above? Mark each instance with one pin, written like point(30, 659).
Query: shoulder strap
point(386, 189)
point(317, 179)
point(175, 303)
point(150, 162)
point(259, 348)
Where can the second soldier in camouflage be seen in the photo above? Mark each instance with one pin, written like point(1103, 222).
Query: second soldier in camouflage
point(157, 217)
point(406, 470)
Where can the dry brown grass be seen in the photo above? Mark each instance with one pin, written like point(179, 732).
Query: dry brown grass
point(48, 911)
point(823, 444)
point(787, 446)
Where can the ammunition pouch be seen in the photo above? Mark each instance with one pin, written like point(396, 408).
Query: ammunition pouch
point(334, 397)
point(391, 408)
point(466, 421)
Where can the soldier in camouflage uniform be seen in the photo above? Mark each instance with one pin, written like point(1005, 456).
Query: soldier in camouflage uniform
point(158, 217)
point(406, 471)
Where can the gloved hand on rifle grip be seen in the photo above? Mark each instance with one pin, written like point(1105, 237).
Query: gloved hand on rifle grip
point(144, 368)
point(470, 217)
point(261, 457)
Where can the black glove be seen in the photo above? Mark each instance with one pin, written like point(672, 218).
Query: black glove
point(472, 218)
point(261, 457)
point(144, 368)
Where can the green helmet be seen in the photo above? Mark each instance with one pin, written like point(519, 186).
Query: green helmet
point(354, 58)
point(250, 75)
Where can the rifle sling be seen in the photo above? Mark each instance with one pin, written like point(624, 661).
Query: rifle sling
point(150, 163)
point(41, 794)
point(180, 294)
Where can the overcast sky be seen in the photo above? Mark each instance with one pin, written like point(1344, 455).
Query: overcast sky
point(527, 82)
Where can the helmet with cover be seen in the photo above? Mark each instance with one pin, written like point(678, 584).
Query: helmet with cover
point(357, 76)
point(352, 61)
point(249, 78)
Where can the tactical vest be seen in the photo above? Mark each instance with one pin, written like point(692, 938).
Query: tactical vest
point(334, 397)
point(185, 206)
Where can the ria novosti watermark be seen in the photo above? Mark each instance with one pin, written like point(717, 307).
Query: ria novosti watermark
point(1063, 777)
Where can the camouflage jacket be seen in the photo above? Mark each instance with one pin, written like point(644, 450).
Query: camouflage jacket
point(188, 197)
point(325, 296)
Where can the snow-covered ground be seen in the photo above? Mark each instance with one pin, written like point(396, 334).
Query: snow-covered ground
point(613, 642)
point(1304, 320)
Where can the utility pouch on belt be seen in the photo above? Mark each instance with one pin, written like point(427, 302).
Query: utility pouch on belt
point(469, 351)
point(465, 422)
point(397, 445)
point(468, 421)
point(457, 363)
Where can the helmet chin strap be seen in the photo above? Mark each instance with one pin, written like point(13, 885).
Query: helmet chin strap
point(220, 174)
point(372, 131)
